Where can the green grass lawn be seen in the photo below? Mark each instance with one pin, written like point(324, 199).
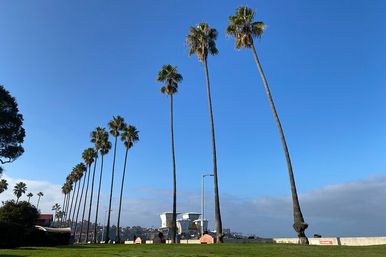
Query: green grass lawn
point(234, 250)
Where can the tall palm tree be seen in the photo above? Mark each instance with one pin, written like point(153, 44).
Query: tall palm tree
point(104, 147)
point(95, 139)
point(40, 194)
point(170, 77)
point(88, 157)
point(19, 189)
point(129, 136)
point(78, 175)
point(201, 41)
point(66, 189)
point(115, 126)
point(243, 28)
point(82, 169)
point(56, 207)
point(3, 185)
point(70, 182)
point(29, 195)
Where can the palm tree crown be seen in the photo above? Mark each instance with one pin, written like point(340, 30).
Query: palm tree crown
point(169, 75)
point(243, 28)
point(116, 125)
point(201, 40)
point(19, 189)
point(3, 185)
point(88, 156)
point(129, 136)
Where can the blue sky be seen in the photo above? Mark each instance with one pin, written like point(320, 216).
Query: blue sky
point(72, 65)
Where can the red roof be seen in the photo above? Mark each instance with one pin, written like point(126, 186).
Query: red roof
point(45, 217)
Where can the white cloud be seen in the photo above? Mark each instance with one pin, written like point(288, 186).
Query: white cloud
point(351, 209)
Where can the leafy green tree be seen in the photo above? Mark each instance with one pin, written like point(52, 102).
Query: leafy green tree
point(104, 146)
point(3, 185)
point(22, 213)
point(201, 41)
point(115, 126)
point(129, 136)
point(11, 131)
point(243, 28)
point(29, 195)
point(88, 156)
point(40, 194)
point(19, 189)
point(170, 77)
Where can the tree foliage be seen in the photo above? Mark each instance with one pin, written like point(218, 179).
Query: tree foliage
point(22, 213)
point(11, 131)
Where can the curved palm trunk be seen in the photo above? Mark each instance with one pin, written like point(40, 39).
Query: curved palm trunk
point(77, 212)
point(67, 207)
point(174, 219)
point(37, 206)
point(219, 234)
point(75, 204)
point(64, 204)
point(17, 199)
point(97, 206)
point(118, 233)
point(71, 206)
point(111, 194)
point(91, 195)
point(299, 225)
point(84, 204)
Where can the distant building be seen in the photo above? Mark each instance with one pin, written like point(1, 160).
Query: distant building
point(189, 225)
point(44, 220)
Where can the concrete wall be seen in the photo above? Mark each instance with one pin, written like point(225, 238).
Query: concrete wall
point(350, 241)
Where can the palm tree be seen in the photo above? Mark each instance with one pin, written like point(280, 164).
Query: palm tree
point(66, 189)
point(129, 136)
point(104, 147)
point(88, 157)
point(78, 174)
point(29, 195)
point(40, 194)
point(19, 189)
point(56, 207)
point(243, 28)
point(82, 169)
point(3, 185)
point(95, 139)
point(69, 182)
point(169, 75)
point(115, 126)
point(201, 41)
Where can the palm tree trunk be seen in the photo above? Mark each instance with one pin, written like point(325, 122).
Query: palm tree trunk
point(75, 204)
point(67, 207)
point(37, 206)
point(17, 199)
point(64, 202)
point(299, 225)
point(97, 206)
point(118, 233)
point(174, 219)
point(111, 194)
point(219, 234)
point(77, 213)
point(29, 198)
point(72, 202)
point(91, 195)
point(85, 201)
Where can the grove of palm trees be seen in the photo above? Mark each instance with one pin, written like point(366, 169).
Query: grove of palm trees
point(200, 41)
